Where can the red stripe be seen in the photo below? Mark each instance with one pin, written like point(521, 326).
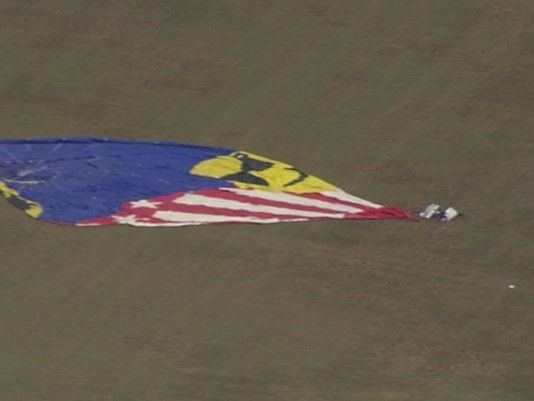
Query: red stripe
point(101, 221)
point(325, 198)
point(387, 213)
point(146, 215)
point(201, 209)
point(229, 195)
point(380, 212)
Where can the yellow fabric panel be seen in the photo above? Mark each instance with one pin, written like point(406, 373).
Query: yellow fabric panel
point(217, 167)
point(31, 208)
point(278, 176)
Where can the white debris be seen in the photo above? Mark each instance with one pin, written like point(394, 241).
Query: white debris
point(449, 214)
point(430, 211)
point(433, 211)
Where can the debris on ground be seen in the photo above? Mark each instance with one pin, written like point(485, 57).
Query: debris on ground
point(433, 211)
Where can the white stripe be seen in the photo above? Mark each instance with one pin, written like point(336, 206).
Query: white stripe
point(295, 199)
point(182, 217)
point(196, 200)
point(164, 224)
point(350, 198)
point(184, 224)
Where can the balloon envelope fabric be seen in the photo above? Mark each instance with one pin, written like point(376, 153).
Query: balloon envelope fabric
point(95, 182)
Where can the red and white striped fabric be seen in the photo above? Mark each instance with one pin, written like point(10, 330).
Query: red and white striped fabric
point(231, 205)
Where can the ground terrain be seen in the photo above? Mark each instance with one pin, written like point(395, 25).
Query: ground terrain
point(400, 102)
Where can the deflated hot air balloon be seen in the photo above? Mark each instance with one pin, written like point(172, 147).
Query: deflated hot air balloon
point(95, 182)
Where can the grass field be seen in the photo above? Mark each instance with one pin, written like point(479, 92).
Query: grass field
point(400, 102)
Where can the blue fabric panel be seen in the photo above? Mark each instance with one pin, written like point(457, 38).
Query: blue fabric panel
point(75, 179)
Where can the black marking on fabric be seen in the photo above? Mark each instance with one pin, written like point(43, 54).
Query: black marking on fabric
point(302, 176)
